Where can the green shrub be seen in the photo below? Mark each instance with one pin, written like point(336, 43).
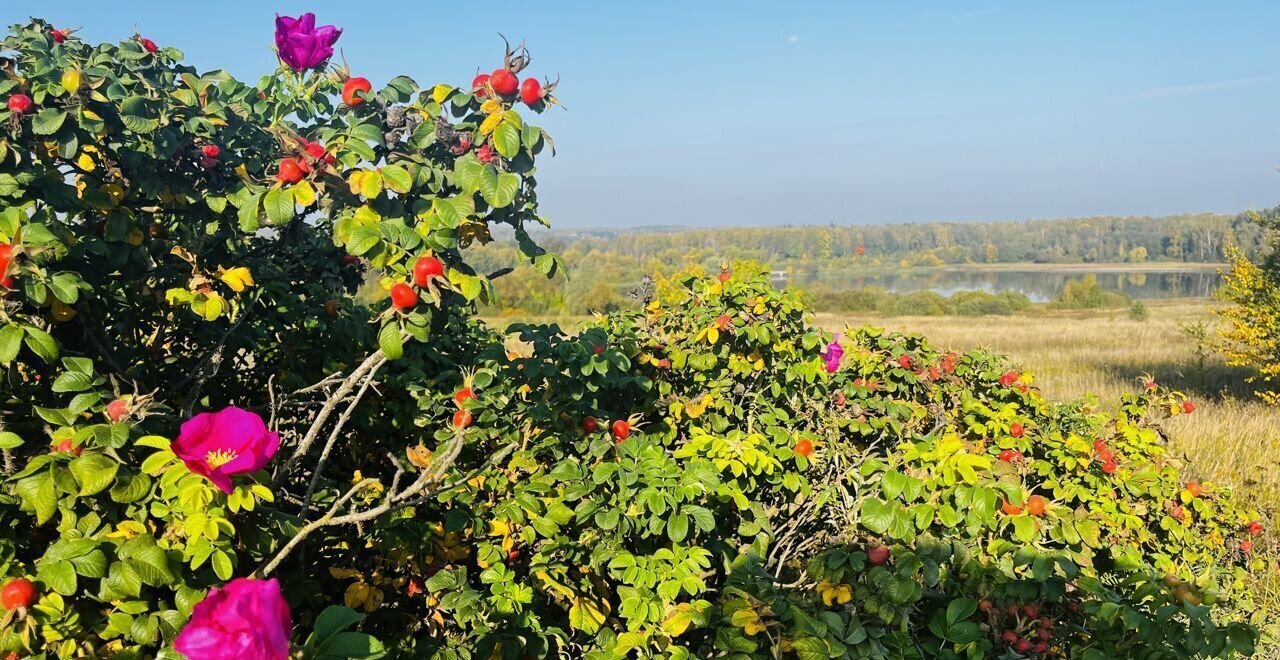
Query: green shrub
point(1138, 311)
point(1086, 293)
point(983, 303)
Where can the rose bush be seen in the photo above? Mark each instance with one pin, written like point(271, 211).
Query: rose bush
point(247, 409)
point(187, 356)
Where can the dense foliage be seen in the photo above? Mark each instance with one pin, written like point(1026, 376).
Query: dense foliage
point(1252, 289)
point(708, 476)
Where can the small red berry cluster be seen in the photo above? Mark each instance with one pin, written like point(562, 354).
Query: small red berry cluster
point(1022, 628)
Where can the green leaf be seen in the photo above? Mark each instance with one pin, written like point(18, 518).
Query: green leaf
point(1024, 528)
point(10, 342)
point(48, 121)
point(702, 517)
point(65, 287)
point(221, 563)
point(498, 188)
point(94, 472)
point(42, 344)
point(70, 381)
point(333, 620)
point(247, 214)
point(59, 576)
point(152, 564)
point(506, 139)
point(40, 491)
point(363, 239)
point(278, 204)
point(877, 515)
point(122, 581)
point(810, 648)
point(397, 178)
point(9, 440)
point(351, 645)
point(678, 527)
point(9, 186)
point(91, 565)
point(390, 342)
point(130, 488)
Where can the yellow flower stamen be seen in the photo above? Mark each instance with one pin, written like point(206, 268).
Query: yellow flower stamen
point(219, 458)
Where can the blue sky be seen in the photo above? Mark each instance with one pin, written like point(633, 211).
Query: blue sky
point(706, 113)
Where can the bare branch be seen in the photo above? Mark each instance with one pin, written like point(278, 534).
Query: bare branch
point(395, 501)
point(337, 397)
point(337, 431)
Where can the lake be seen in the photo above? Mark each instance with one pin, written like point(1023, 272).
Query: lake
point(1039, 283)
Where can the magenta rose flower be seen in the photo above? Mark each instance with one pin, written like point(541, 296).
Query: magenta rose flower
point(301, 44)
point(832, 355)
point(230, 441)
point(246, 619)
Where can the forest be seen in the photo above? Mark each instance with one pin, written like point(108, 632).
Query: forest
point(603, 265)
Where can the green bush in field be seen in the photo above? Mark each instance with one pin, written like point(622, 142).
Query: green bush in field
point(920, 303)
point(1086, 293)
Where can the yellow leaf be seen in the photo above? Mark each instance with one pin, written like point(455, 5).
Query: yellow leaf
point(356, 594)
point(549, 584)
point(85, 162)
point(355, 181)
point(586, 615)
point(713, 335)
point(441, 92)
point(491, 106)
point(490, 123)
point(304, 194)
point(238, 278)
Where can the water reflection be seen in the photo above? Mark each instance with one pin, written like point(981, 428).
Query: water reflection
point(1039, 285)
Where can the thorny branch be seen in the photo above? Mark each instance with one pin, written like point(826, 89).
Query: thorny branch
point(418, 492)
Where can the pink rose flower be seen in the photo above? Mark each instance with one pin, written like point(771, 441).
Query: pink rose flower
point(246, 619)
point(301, 44)
point(832, 355)
point(230, 441)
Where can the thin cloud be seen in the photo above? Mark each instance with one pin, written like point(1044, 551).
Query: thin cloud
point(1197, 89)
point(793, 39)
point(975, 14)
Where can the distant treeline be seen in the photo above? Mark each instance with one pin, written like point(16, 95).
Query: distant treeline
point(604, 264)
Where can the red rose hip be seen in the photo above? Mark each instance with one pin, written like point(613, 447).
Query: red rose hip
point(504, 82)
point(403, 296)
point(20, 104)
point(19, 593)
point(426, 269)
point(531, 92)
point(355, 91)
